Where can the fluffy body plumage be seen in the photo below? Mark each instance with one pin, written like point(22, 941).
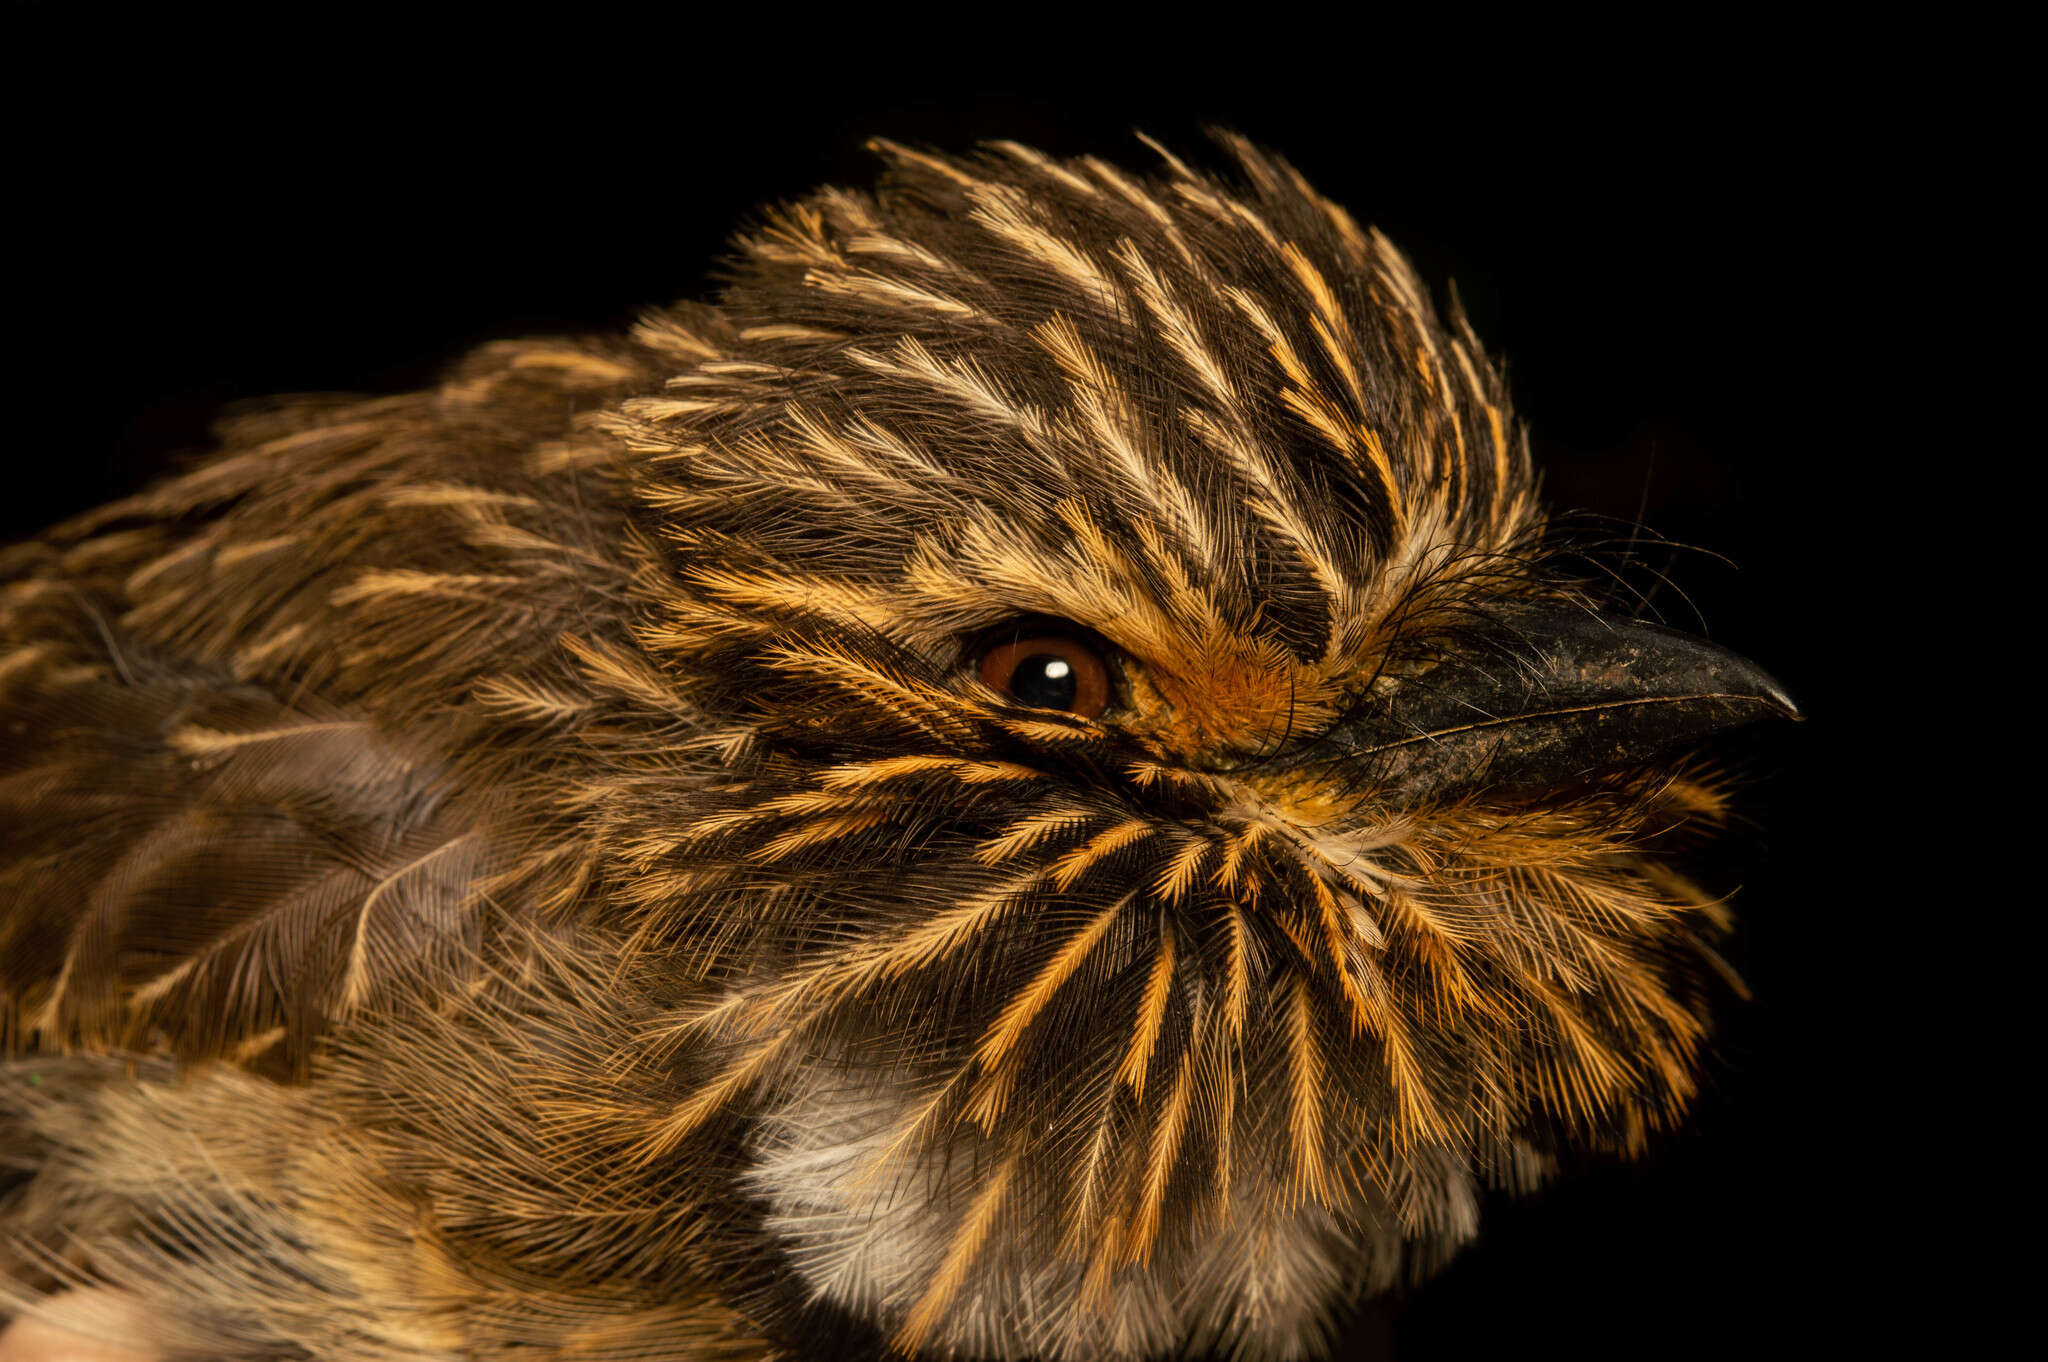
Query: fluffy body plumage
point(526, 868)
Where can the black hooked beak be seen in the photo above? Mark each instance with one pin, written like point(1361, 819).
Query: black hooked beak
point(1534, 699)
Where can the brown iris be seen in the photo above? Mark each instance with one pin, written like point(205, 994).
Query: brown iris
point(1049, 671)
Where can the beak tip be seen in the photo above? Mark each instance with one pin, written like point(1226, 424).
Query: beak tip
point(1768, 690)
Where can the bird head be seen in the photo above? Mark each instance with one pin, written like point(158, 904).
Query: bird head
point(1154, 836)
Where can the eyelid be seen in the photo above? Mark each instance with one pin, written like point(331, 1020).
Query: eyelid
point(979, 641)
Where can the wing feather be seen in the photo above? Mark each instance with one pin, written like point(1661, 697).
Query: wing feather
point(269, 727)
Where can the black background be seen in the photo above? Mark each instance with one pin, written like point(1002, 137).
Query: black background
point(1667, 240)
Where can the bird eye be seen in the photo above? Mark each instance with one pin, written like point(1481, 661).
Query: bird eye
point(1049, 671)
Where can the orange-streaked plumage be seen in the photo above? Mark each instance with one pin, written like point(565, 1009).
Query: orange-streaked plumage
point(532, 868)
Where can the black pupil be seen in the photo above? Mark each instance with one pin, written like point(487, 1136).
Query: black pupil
point(1045, 681)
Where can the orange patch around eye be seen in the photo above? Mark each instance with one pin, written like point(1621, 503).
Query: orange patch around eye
point(1231, 703)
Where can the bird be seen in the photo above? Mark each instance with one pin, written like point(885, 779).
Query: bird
point(1032, 780)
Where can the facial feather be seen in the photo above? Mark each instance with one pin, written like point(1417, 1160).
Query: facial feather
point(1223, 430)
